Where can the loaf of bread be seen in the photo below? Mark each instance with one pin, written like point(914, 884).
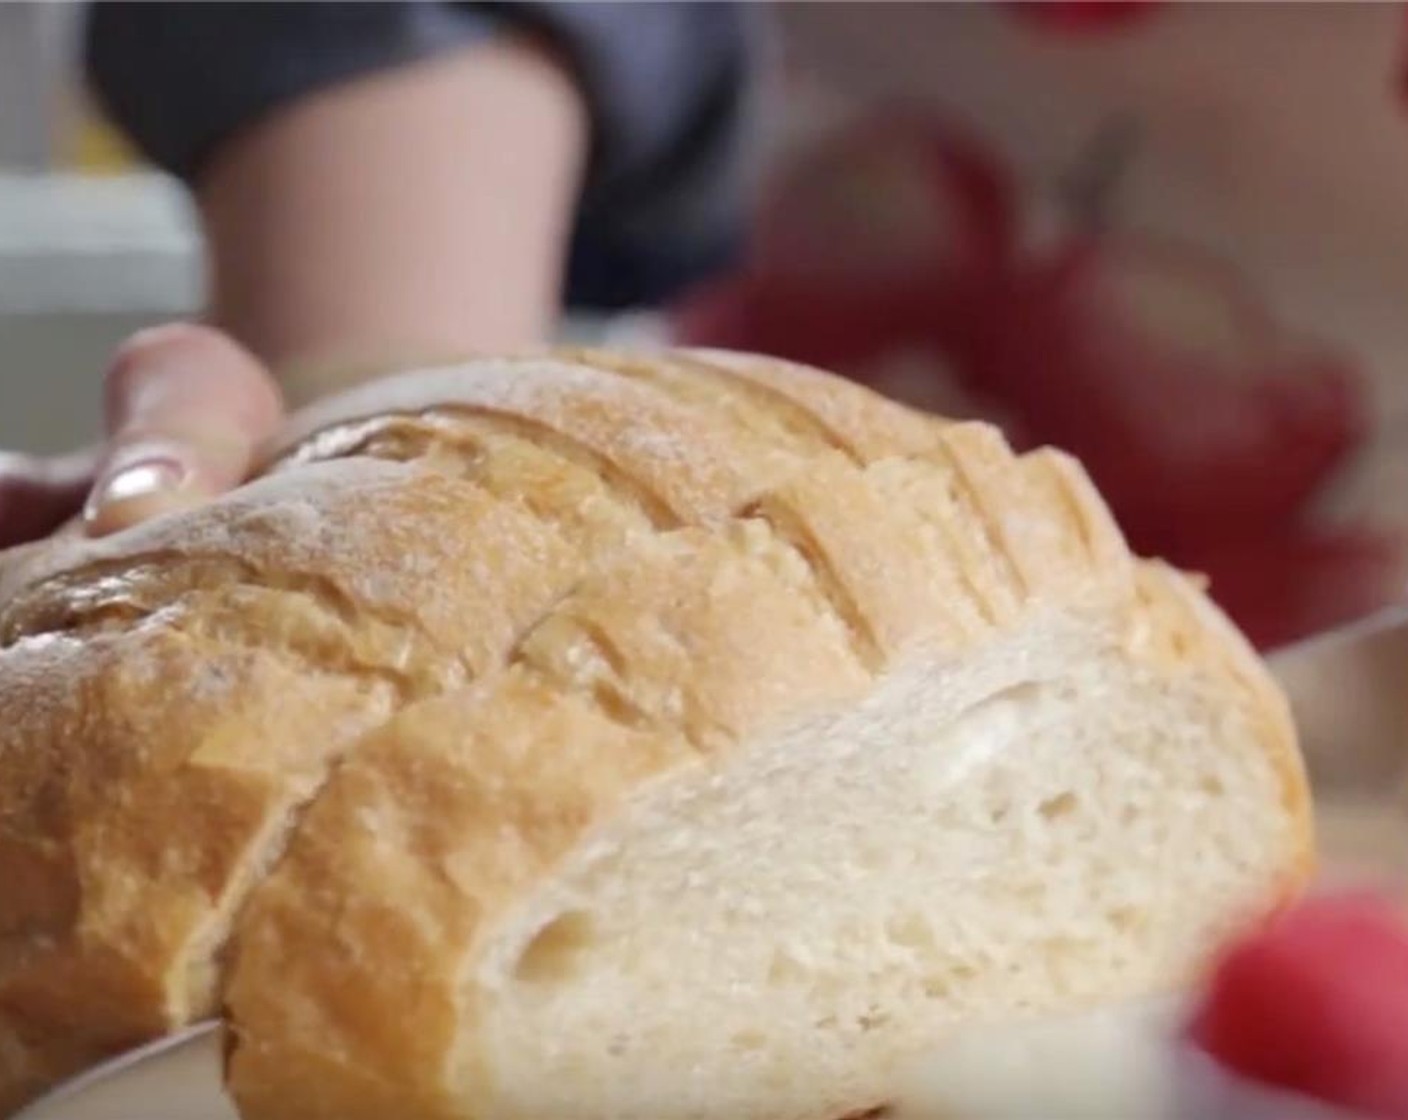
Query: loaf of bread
point(600, 737)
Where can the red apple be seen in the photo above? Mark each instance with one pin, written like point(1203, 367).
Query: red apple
point(900, 191)
point(898, 232)
point(1159, 367)
point(830, 323)
point(1317, 1004)
point(1294, 582)
point(922, 378)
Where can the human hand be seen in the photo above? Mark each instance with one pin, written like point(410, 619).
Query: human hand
point(185, 409)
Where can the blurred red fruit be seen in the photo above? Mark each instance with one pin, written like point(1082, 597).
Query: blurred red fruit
point(893, 249)
point(900, 190)
point(1084, 15)
point(898, 232)
point(1317, 1003)
point(1157, 366)
point(1287, 584)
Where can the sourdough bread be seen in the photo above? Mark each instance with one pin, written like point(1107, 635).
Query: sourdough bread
point(587, 735)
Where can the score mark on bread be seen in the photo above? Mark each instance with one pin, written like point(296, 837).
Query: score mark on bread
point(593, 735)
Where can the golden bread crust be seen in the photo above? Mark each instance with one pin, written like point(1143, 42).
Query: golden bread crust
point(313, 713)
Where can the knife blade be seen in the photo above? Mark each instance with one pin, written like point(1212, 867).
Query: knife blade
point(1348, 691)
point(176, 1078)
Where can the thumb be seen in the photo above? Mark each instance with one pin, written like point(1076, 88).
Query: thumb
point(186, 410)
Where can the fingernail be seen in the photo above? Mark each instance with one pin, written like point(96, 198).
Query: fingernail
point(135, 482)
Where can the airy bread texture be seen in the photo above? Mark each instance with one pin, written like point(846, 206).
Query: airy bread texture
point(601, 737)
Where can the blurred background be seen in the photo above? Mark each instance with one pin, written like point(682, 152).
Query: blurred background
point(91, 246)
point(1172, 239)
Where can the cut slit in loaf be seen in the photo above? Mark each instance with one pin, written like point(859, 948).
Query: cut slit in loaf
point(711, 762)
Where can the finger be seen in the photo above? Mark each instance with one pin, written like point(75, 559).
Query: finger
point(38, 494)
point(186, 410)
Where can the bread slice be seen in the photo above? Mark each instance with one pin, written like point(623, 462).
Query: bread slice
point(683, 735)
